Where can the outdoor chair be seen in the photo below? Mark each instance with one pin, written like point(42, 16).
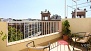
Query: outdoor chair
point(83, 40)
point(37, 48)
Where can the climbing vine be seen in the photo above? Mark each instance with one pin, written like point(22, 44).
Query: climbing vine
point(3, 36)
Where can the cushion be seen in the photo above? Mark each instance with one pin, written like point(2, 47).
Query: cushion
point(75, 38)
point(82, 40)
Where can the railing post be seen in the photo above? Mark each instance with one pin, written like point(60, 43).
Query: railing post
point(24, 30)
point(60, 26)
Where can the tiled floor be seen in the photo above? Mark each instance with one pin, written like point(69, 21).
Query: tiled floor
point(61, 47)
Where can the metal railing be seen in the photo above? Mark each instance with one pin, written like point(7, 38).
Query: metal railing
point(18, 30)
point(38, 47)
point(53, 45)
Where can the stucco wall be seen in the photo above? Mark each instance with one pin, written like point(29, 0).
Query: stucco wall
point(20, 46)
point(79, 24)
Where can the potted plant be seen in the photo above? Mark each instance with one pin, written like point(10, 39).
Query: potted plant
point(65, 30)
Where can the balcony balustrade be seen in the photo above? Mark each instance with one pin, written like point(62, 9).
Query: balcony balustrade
point(18, 30)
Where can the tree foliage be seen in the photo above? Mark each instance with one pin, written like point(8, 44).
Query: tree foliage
point(66, 28)
point(14, 34)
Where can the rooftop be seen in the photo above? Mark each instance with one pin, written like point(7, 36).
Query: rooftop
point(26, 32)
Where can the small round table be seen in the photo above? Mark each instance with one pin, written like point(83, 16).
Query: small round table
point(64, 43)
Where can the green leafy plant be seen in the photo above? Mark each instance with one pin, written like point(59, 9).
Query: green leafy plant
point(65, 28)
point(3, 36)
point(13, 35)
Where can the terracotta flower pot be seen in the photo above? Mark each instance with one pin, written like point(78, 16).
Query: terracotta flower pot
point(65, 37)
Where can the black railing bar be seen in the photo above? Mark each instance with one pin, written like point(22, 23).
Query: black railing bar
point(49, 46)
point(29, 43)
point(54, 47)
point(54, 44)
point(46, 47)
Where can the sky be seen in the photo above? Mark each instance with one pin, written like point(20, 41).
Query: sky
point(23, 9)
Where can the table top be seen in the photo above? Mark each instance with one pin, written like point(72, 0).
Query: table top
point(62, 42)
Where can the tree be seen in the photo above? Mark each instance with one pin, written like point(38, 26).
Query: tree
point(14, 34)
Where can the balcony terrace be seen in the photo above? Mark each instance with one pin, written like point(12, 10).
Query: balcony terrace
point(19, 34)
